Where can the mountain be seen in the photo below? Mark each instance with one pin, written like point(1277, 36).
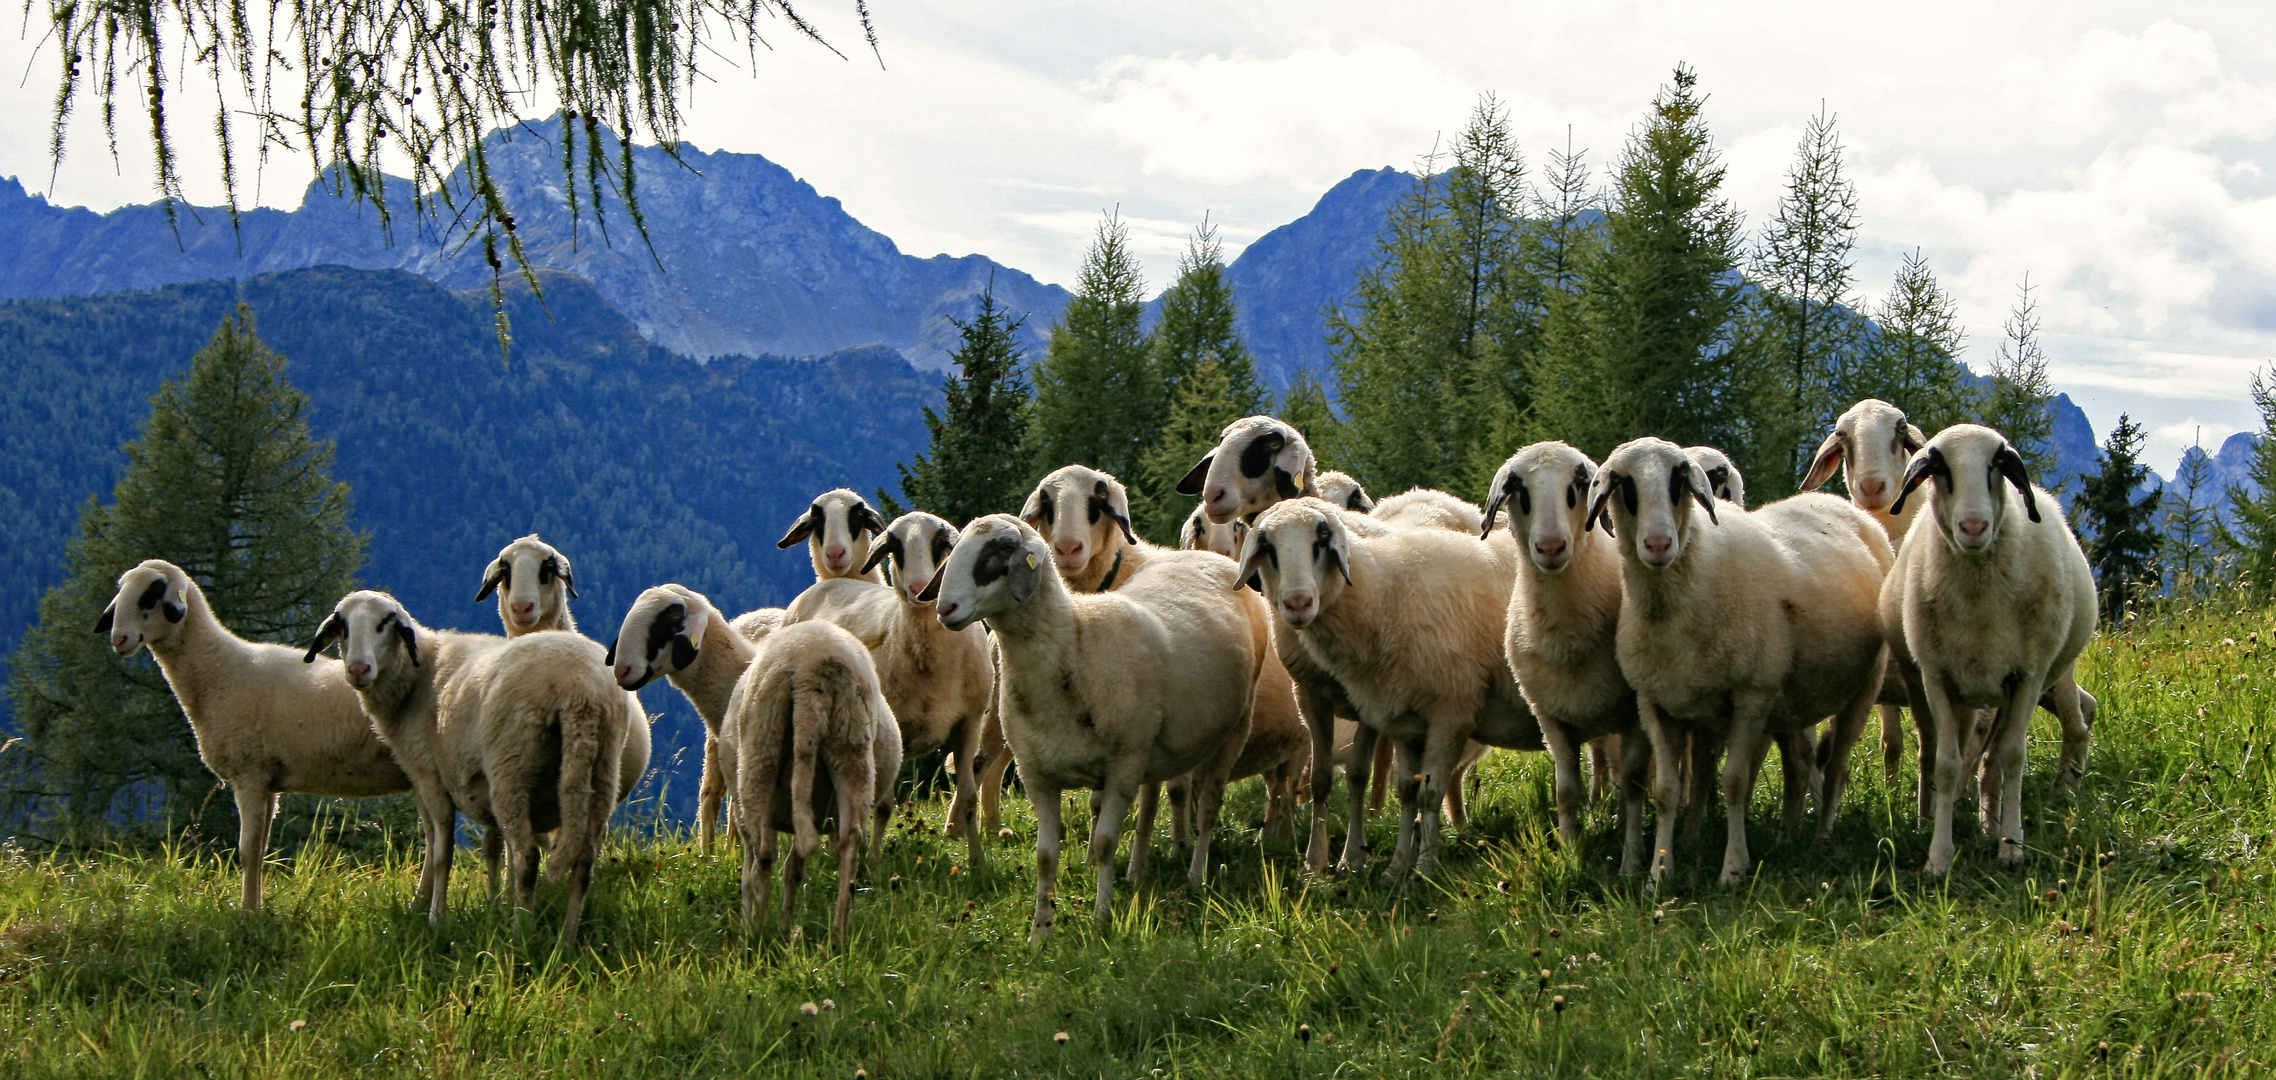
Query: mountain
point(1288, 278)
point(643, 465)
point(746, 258)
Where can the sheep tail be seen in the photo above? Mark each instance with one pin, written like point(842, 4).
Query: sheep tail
point(584, 806)
point(809, 721)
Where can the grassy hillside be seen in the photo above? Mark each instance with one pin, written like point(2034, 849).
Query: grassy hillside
point(2135, 943)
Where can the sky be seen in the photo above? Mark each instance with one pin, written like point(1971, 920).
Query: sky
point(2119, 155)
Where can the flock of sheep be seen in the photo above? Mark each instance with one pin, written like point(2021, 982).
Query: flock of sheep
point(1635, 607)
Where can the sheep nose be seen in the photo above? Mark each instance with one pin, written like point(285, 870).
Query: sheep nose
point(623, 674)
point(1217, 499)
point(916, 586)
point(1298, 606)
point(835, 555)
point(523, 610)
point(359, 673)
point(1657, 546)
point(1550, 548)
point(1872, 488)
point(118, 642)
point(946, 610)
point(1068, 548)
point(1973, 529)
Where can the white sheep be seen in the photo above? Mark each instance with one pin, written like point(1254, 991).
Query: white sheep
point(808, 732)
point(1408, 623)
point(1744, 623)
point(1085, 515)
point(1564, 615)
point(1341, 490)
point(264, 722)
point(479, 723)
point(675, 632)
point(1990, 609)
point(1110, 691)
point(1258, 461)
point(837, 527)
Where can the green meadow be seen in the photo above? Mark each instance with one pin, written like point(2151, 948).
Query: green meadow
point(2134, 942)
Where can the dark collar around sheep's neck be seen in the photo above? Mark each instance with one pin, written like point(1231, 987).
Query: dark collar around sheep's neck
point(1107, 582)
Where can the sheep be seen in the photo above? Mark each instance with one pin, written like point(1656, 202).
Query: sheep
point(1745, 623)
point(1110, 691)
point(808, 710)
point(1564, 612)
point(837, 527)
point(1723, 479)
point(1258, 461)
point(1987, 610)
point(264, 724)
point(939, 681)
point(479, 722)
point(1341, 490)
point(756, 624)
point(1408, 623)
point(534, 585)
point(675, 632)
point(1085, 514)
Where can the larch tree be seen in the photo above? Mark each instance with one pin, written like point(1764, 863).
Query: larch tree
point(2248, 535)
point(1803, 267)
point(1208, 378)
point(226, 482)
point(976, 464)
point(2016, 403)
point(1099, 400)
point(1913, 362)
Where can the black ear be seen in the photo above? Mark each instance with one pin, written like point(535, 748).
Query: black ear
point(1199, 475)
point(2010, 465)
point(1122, 517)
point(410, 640)
point(1693, 478)
point(802, 528)
point(569, 582)
point(1717, 477)
point(1596, 509)
point(1036, 510)
point(932, 589)
point(683, 651)
point(1501, 493)
point(174, 611)
point(878, 553)
point(1910, 437)
point(1359, 502)
point(1284, 483)
point(1922, 467)
point(1023, 573)
point(326, 633)
point(608, 659)
point(490, 580)
point(866, 520)
point(103, 624)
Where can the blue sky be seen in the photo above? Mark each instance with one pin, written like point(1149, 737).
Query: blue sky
point(2117, 153)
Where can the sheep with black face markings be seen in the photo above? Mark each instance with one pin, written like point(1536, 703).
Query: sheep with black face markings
point(1408, 623)
point(1989, 608)
point(1743, 622)
point(939, 681)
point(675, 632)
point(1110, 691)
point(264, 722)
point(479, 723)
point(837, 528)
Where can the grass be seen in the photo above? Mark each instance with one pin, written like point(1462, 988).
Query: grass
point(2133, 943)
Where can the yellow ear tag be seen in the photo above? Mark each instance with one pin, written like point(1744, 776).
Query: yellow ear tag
point(1299, 485)
point(1031, 560)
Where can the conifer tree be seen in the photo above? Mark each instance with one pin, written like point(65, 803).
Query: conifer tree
point(1431, 349)
point(226, 482)
point(1305, 407)
point(2016, 403)
point(1913, 363)
point(1208, 377)
point(2249, 534)
point(2120, 530)
point(2187, 524)
point(1098, 400)
point(1804, 269)
point(1657, 353)
point(978, 464)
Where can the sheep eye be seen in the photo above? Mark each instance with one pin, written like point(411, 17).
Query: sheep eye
point(1097, 507)
point(1524, 496)
point(546, 572)
point(505, 574)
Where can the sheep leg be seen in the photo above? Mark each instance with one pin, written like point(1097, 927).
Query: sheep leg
point(2075, 708)
point(493, 854)
point(1924, 725)
point(1382, 775)
point(1602, 751)
point(1441, 763)
point(993, 757)
point(442, 844)
point(1797, 765)
point(758, 839)
point(793, 876)
point(2009, 738)
point(580, 879)
point(963, 806)
point(1848, 728)
point(1142, 834)
point(1667, 782)
point(1180, 792)
point(1635, 777)
point(1973, 737)
point(1205, 790)
point(1045, 799)
point(1320, 721)
point(1457, 814)
point(1565, 758)
point(854, 786)
point(1944, 785)
point(710, 792)
point(1706, 749)
point(1892, 741)
point(256, 808)
point(1748, 713)
point(1108, 806)
point(1355, 824)
point(1407, 766)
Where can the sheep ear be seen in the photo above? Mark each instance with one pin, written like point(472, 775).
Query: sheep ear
point(490, 580)
point(683, 651)
point(608, 659)
point(1596, 508)
point(1118, 506)
point(1293, 467)
point(878, 553)
point(1198, 476)
point(1359, 502)
point(103, 624)
point(2010, 465)
point(1702, 490)
point(1031, 511)
point(1252, 549)
point(1023, 572)
point(866, 519)
point(1339, 549)
point(326, 633)
point(800, 529)
point(1717, 478)
point(1923, 466)
point(1912, 439)
point(1504, 483)
point(568, 580)
point(932, 589)
point(410, 640)
point(1821, 468)
point(174, 610)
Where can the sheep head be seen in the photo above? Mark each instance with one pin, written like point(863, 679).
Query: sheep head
point(1870, 444)
point(534, 584)
point(917, 543)
point(1301, 551)
point(1258, 462)
point(1968, 464)
point(1544, 487)
point(375, 634)
point(995, 568)
point(1079, 510)
point(1646, 490)
point(151, 600)
point(836, 526)
point(661, 635)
